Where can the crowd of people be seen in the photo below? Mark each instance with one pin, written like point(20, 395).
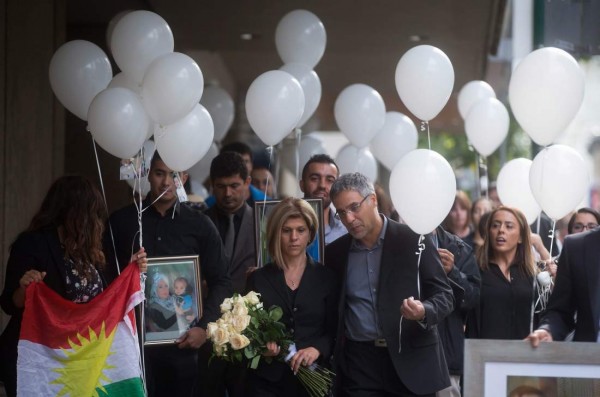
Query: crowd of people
point(387, 321)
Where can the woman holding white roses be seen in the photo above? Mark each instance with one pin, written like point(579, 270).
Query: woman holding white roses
point(305, 290)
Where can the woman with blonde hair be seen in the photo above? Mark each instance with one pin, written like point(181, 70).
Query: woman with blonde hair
point(507, 266)
point(305, 290)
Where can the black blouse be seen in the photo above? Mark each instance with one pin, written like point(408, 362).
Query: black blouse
point(505, 306)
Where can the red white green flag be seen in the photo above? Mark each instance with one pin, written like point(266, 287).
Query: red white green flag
point(81, 350)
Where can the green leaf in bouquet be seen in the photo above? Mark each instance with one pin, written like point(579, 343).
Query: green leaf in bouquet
point(254, 362)
point(275, 313)
point(250, 352)
point(237, 355)
point(254, 321)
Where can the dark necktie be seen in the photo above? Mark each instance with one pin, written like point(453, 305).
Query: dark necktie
point(230, 237)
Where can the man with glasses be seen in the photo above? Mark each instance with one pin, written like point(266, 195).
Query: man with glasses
point(391, 300)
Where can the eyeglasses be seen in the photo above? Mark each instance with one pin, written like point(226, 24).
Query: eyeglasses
point(578, 227)
point(352, 209)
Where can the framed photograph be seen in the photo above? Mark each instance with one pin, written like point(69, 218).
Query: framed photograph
point(261, 215)
point(514, 368)
point(173, 298)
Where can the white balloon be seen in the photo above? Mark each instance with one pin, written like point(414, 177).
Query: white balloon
point(118, 122)
point(300, 37)
point(423, 186)
point(352, 159)
point(78, 71)
point(274, 105)
point(183, 143)
point(559, 180)
point(397, 137)
point(424, 80)
point(311, 86)
point(172, 86)
point(360, 113)
point(487, 125)
point(545, 92)
point(513, 188)
point(201, 170)
point(471, 93)
point(309, 146)
point(139, 38)
point(111, 26)
point(125, 81)
point(220, 105)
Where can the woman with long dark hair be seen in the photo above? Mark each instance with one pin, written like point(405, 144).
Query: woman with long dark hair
point(507, 267)
point(63, 247)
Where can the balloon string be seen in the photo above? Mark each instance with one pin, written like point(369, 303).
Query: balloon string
point(112, 237)
point(551, 235)
point(298, 135)
point(483, 174)
point(421, 248)
point(425, 127)
point(264, 206)
point(270, 151)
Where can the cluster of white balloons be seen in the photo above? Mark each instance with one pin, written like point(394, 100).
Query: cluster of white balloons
point(422, 182)
point(278, 101)
point(545, 92)
point(157, 93)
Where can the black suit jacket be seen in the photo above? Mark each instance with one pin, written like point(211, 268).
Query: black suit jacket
point(244, 250)
point(311, 319)
point(420, 363)
point(577, 290)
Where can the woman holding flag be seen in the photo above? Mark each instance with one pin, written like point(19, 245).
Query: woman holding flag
point(62, 247)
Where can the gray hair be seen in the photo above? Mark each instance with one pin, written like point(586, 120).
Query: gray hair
point(352, 182)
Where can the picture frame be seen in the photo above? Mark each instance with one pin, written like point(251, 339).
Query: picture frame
point(497, 367)
point(262, 209)
point(168, 315)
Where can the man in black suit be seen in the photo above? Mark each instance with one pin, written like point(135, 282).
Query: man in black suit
point(577, 290)
point(390, 303)
point(234, 220)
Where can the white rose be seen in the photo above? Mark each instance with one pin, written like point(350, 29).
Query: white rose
point(226, 305)
point(238, 341)
point(240, 323)
point(225, 318)
point(252, 298)
point(239, 309)
point(220, 350)
point(220, 336)
point(210, 329)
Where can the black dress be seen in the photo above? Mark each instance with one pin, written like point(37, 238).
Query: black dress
point(505, 307)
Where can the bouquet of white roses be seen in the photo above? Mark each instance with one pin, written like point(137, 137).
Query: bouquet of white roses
point(243, 331)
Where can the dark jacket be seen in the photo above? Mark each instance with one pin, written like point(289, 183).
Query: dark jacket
point(420, 363)
point(465, 281)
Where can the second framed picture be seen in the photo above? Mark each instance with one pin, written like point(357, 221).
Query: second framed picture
point(173, 298)
point(261, 214)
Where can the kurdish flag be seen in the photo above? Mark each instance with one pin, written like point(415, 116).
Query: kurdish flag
point(81, 350)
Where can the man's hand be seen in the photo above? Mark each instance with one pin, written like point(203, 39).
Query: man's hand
point(537, 336)
point(447, 258)
point(192, 339)
point(412, 309)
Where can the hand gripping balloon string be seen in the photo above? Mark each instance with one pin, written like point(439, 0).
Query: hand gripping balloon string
point(105, 205)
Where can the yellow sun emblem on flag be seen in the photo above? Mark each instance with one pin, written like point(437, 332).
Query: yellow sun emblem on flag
point(83, 366)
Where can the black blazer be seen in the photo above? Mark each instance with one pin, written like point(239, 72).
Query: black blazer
point(577, 290)
point(310, 319)
point(420, 364)
point(244, 252)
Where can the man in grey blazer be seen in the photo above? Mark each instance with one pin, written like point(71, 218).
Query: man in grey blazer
point(577, 291)
point(390, 301)
point(230, 181)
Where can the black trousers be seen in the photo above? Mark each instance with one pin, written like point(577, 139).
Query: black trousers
point(287, 386)
point(218, 376)
point(170, 371)
point(369, 372)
